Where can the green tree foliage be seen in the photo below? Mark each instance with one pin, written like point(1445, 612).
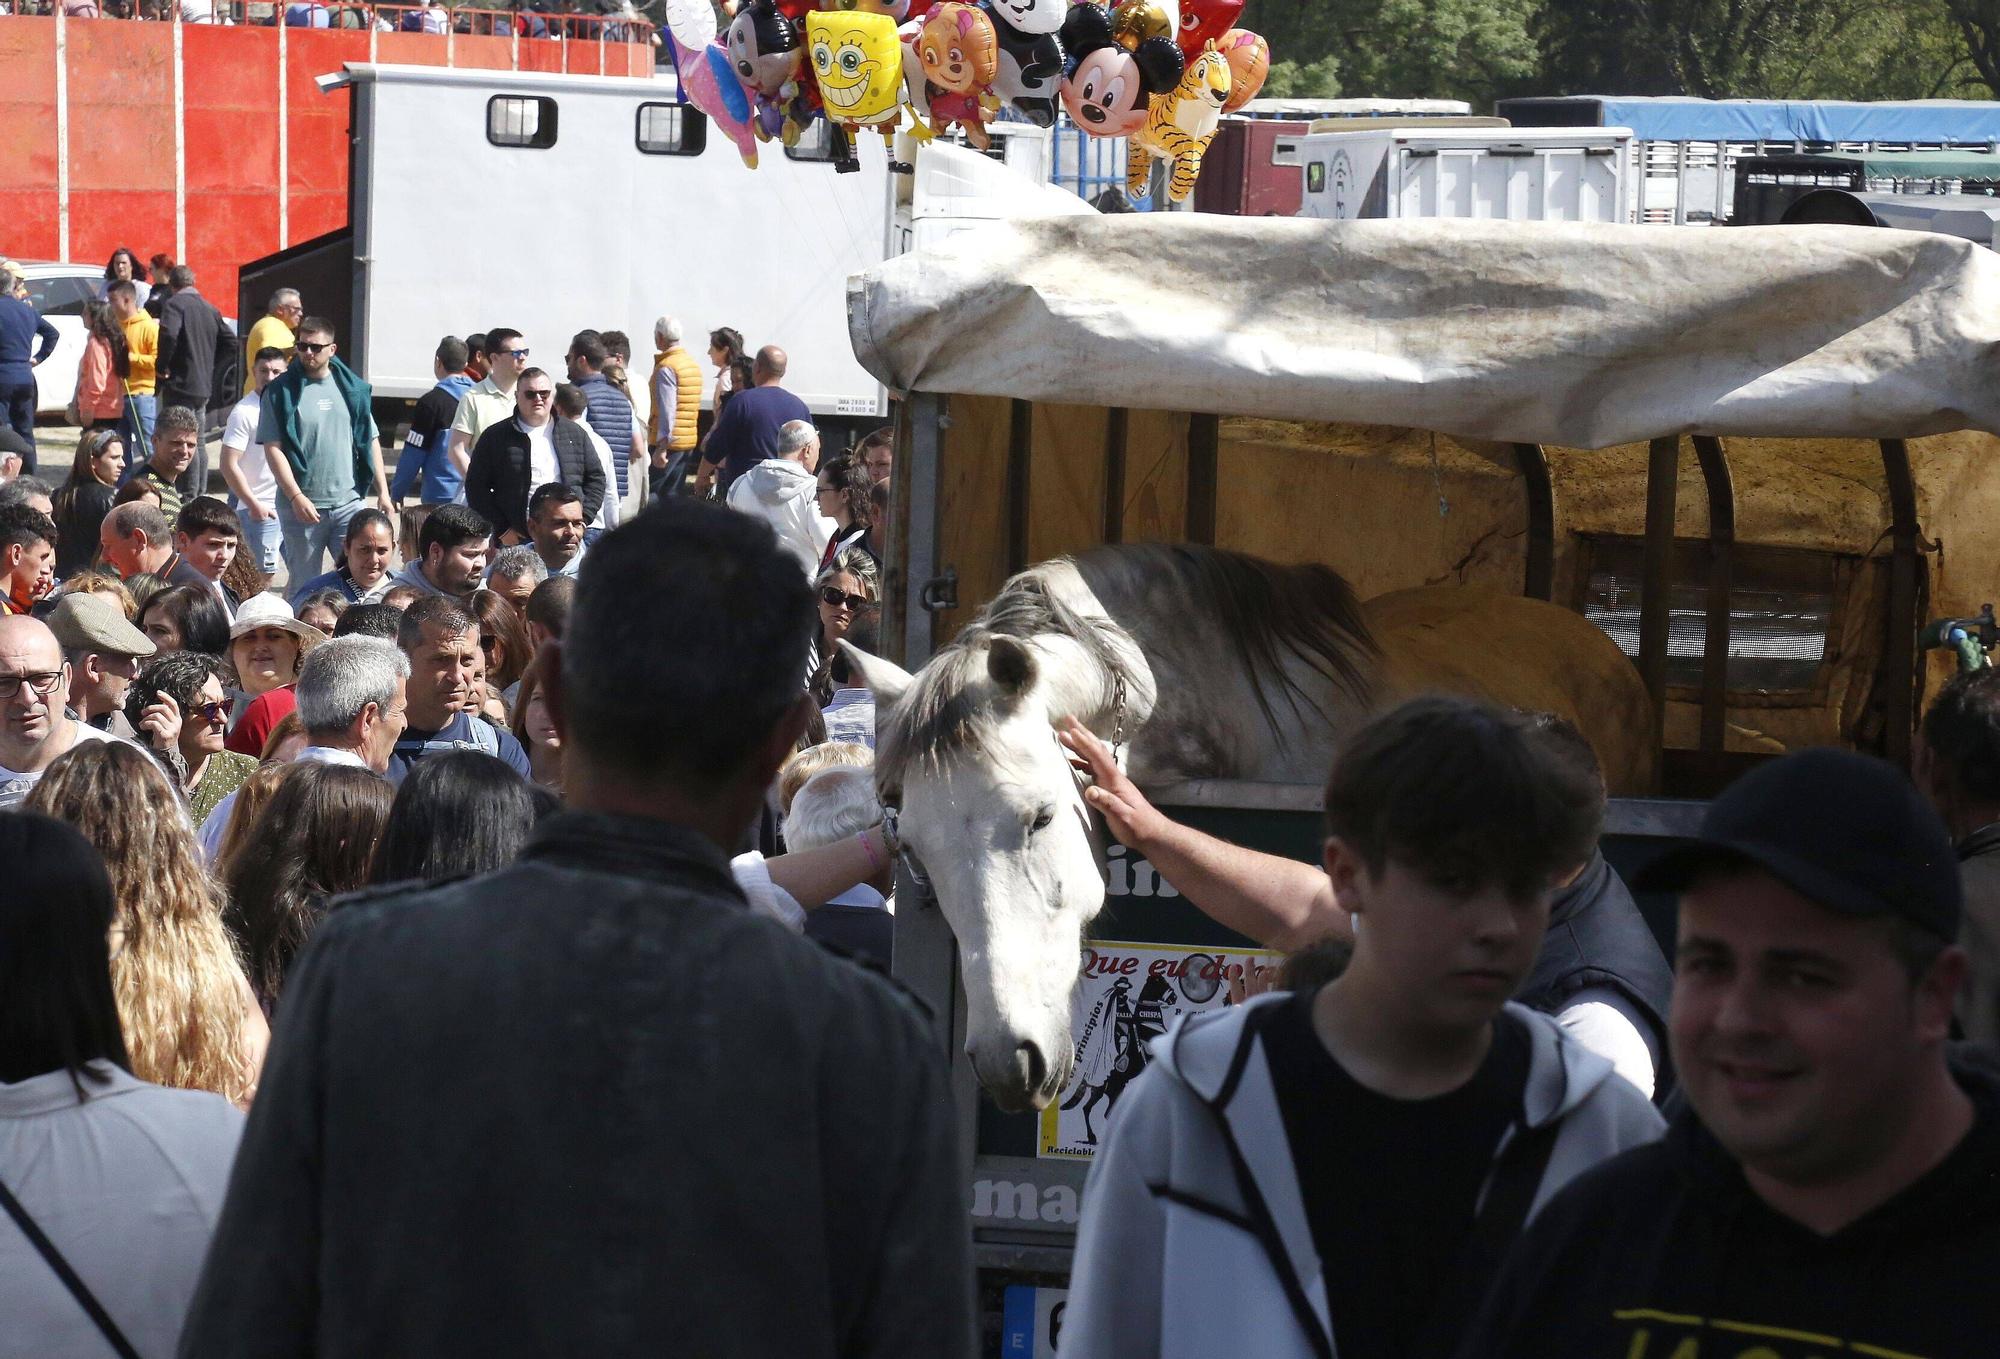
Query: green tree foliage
point(1776, 49)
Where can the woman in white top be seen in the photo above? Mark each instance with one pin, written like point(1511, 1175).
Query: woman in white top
point(118, 1180)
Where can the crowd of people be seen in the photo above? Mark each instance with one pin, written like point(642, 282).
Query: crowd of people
point(518, 866)
point(614, 22)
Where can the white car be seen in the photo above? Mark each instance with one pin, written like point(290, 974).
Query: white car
point(58, 292)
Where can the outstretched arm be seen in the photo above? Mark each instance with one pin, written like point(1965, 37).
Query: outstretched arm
point(1281, 903)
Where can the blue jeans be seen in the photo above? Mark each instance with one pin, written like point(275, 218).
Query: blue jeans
point(139, 411)
point(307, 544)
point(260, 538)
point(17, 408)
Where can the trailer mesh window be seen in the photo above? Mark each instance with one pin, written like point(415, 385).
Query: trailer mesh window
point(671, 130)
point(819, 142)
point(1783, 610)
point(521, 120)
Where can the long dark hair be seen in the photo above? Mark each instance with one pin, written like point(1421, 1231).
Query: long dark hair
point(851, 479)
point(104, 326)
point(458, 812)
point(316, 837)
point(197, 614)
point(499, 620)
point(111, 265)
point(64, 502)
point(730, 342)
point(57, 1012)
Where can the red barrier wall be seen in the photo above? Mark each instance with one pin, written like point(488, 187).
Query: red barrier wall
point(245, 191)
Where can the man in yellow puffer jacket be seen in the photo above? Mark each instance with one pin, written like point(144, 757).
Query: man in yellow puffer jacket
point(676, 393)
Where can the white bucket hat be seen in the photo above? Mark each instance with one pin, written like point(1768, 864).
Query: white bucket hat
point(269, 611)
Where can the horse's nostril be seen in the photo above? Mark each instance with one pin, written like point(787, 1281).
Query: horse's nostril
point(1037, 1065)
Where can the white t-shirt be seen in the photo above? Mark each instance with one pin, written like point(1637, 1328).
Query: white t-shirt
point(240, 433)
point(542, 466)
point(15, 787)
point(607, 514)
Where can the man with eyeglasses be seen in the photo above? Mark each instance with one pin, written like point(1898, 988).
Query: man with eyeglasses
point(35, 728)
point(491, 399)
point(533, 449)
point(317, 426)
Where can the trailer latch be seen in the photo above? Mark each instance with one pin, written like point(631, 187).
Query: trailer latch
point(940, 592)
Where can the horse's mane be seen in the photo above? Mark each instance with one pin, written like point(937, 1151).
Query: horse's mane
point(1267, 611)
point(940, 713)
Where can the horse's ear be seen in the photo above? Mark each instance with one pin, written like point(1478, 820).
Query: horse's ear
point(885, 679)
point(1011, 665)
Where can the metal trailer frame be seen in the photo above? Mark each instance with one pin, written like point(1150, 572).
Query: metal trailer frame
point(1027, 1226)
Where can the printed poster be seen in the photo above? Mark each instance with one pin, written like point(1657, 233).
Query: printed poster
point(1129, 995)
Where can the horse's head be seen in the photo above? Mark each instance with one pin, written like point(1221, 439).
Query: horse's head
point(993, 816)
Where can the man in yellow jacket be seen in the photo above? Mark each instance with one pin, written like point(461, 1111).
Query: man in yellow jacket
point(142, 341)
point(272, 331)
point(676, 393)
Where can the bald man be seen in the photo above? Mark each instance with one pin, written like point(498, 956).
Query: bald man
point(747, 431)
point(34, 727)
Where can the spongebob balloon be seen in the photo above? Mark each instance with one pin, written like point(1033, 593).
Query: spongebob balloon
point(858, 63)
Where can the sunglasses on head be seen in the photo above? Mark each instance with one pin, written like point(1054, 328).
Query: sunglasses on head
point(834, 599)
point(310, 349)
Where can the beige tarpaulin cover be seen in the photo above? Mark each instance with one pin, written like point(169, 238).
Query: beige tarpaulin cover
point(1581, 335)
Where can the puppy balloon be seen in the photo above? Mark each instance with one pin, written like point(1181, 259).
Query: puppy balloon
point(955, 49)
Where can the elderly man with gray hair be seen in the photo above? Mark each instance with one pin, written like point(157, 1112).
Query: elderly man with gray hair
point(838, 804)
point(676, 393)
point(783, 491)
point(352, 696)
point(515, 573)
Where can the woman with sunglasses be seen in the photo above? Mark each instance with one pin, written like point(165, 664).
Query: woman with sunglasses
point(848, 590)
point(193, 680)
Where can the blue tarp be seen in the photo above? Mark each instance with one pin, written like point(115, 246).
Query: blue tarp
point(1749, 120)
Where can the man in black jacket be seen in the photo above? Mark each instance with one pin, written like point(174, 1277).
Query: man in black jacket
point(195, 343)
point(1834, 1186)
point(590, 1104)
point(533, 449)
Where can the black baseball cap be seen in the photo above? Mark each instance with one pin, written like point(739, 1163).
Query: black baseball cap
point(1846, 831)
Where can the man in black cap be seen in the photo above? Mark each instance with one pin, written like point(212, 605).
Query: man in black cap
point(1834, 1186)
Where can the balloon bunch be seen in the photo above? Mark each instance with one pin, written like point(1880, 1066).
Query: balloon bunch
point(1159, 72)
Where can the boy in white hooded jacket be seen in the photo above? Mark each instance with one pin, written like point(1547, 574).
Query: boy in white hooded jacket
point(1340, 1172)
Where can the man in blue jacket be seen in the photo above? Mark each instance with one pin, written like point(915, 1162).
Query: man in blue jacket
point(21, 327)
point(425, 464)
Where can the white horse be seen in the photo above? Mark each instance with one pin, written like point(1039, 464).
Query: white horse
point(1210, 664)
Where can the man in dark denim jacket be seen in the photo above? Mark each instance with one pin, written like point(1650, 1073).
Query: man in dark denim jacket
point(590, 1104)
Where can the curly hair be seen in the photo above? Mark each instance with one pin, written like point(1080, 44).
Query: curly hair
point(179, 675)
point(316, 838)
point(176, 977)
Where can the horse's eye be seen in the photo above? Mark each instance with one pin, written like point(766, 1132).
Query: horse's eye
point(1042, 819)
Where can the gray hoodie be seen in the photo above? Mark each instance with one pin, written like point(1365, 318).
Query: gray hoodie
point(1194, 1240)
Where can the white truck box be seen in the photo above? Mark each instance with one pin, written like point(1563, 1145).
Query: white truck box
point(1515, 174)
point(454, 231)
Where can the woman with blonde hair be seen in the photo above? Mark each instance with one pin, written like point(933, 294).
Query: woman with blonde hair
point(189, 1017)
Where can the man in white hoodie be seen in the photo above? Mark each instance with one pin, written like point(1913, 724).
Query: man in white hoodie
point(783, 492)
point(1340, 1171)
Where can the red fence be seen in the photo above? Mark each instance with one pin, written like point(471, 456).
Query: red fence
point(212, 143)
